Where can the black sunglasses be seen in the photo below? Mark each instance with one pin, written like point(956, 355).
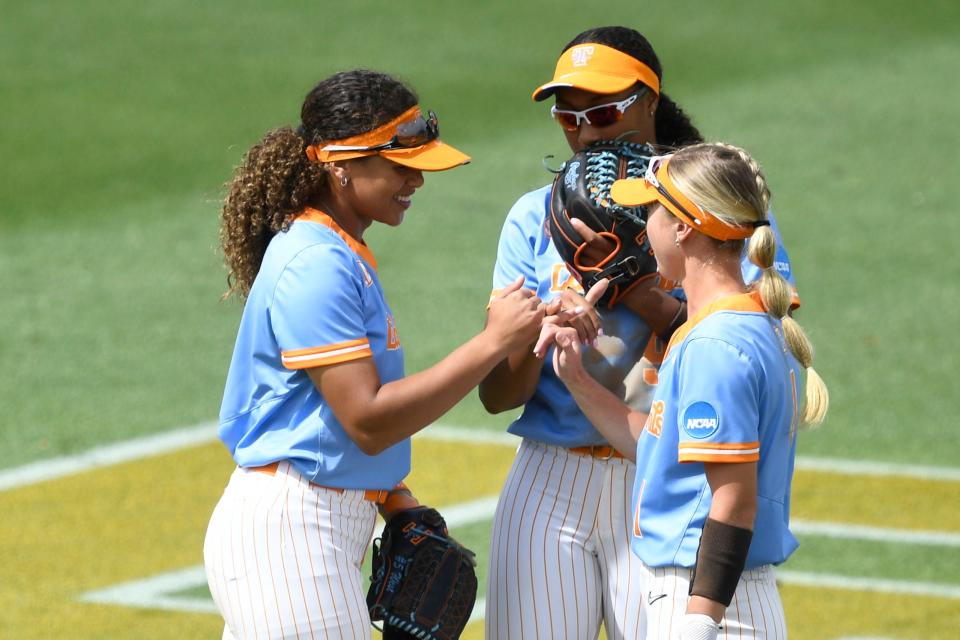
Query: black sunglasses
point(410, 135)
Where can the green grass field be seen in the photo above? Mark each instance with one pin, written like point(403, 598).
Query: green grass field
point(121, 121)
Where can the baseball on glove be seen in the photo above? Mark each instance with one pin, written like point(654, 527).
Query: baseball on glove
point(581, 190)
point(423, 585)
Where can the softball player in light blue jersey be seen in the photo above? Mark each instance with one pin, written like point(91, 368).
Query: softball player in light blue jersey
point(715, 452)
point(316, 302)
point(317, 412)
point(560, 558)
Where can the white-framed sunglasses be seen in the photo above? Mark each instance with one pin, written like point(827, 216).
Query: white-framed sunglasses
point(602, 115)
point(650, 176)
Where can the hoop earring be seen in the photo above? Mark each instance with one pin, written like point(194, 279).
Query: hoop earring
point(344, 180)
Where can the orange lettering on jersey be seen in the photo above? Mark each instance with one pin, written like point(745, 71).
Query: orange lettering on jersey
point(636, 512)
point(569, 282)
point(393, 338)
point(654, 423)
point(650, 376)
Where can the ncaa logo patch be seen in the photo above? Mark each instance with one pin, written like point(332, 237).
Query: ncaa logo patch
point(700, 420)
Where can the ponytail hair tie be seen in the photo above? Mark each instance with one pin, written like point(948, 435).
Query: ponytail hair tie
point(760, 223)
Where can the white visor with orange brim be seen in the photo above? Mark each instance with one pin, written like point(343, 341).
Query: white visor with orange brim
point(656, 186)
point(597, 68)
point(410, 139)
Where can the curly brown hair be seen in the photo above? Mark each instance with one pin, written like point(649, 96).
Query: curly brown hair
point(275, 181)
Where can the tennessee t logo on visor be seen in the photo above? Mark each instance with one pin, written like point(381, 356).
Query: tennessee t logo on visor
point(598, 69)
point(581, 55)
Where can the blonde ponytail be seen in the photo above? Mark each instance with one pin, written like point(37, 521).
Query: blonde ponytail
point(726, 181)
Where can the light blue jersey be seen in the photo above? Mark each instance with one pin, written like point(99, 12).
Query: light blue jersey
point(551, 415)
point(727, 393)
point(316, 301)
point(618, 363)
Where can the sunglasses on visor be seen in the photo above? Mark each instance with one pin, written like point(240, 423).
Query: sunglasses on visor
point(602, 115)
point(410, 135)
point(651, 177)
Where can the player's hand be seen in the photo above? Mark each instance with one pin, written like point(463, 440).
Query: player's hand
point(597, 247)
point(578, 311)
point(514, 317)
point(568, 356)
point(574, 311)
point(697, 626)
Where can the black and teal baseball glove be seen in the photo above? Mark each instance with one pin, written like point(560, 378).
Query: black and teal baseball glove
point(424, 584)
point(581, 190)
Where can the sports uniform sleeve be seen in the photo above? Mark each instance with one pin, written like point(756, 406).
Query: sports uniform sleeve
point(516, 249)
point(781, 262)
point(317, 309)
point(718, 408)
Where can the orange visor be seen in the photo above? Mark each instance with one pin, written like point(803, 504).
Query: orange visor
point(656, 186)
point(597, 68)
point(410, 139)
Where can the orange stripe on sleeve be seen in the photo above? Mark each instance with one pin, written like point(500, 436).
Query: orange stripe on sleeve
point(327, 355)
point(723, 446)
point(719, 452)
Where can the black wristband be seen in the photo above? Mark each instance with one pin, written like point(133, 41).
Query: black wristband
point(720, 561)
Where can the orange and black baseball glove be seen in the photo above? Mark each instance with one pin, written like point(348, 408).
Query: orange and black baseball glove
point(581, 190)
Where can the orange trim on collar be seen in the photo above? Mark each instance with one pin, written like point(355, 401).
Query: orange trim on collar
point(360, 248)
point(748, 302)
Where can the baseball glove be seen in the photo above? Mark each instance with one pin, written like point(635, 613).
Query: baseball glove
point(581, 190)
point(423, 584)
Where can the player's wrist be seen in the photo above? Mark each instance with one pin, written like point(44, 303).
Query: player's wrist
point(701, 605)
point(398, 499)
point(698, 626)
point(497, 344)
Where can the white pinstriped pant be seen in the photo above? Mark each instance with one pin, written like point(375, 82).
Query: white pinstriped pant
point(755, 612)
point(283, 558)
point(560, 559)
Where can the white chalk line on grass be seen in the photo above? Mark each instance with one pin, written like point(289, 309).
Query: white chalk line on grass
point(108, 455)
point(878, 585)
point(878, 469)
point(875, 534)
point(156, 591)
point(160, 591)
point(206, 432)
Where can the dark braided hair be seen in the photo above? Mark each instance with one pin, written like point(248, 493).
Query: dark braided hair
point(275, 181)
point(673, 126)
